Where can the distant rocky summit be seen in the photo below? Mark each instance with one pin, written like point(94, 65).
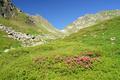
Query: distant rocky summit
point(89, 20)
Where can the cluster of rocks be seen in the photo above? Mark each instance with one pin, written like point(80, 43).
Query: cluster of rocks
point(26, 39)
point(91, 19)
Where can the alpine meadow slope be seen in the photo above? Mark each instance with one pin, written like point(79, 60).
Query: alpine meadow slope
point(53, 61)
point(87, 49)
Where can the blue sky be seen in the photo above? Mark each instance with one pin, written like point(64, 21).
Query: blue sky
point(60, 13)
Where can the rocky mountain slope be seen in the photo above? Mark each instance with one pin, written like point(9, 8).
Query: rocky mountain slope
point(89, 20)
point(17, 19)
point(30, 30)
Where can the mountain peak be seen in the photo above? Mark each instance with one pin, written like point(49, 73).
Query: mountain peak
point(90, 20)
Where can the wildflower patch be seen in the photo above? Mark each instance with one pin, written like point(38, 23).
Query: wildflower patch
point(84, 60)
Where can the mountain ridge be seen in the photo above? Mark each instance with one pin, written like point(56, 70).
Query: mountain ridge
point(90, 20)
point(10, 11)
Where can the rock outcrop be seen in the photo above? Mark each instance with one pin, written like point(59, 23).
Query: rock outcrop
point(27, 39)
point(7, 9)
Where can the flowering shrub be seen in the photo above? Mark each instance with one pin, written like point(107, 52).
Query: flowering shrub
point(85, 60)
point(81, 61)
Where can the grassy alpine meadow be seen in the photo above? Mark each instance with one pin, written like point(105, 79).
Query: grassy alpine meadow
point(93, 53)
point(7, 43)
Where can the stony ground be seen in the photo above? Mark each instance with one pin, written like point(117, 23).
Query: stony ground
point(26, 39)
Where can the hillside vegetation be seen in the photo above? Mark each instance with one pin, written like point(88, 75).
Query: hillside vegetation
point(7, 43)
point(25, 24)
point(54, 61)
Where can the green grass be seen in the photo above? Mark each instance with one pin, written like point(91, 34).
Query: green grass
point(19, 23)
point(19, 64)
point(7, 43)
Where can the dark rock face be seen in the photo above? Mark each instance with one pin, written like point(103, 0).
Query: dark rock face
point(7, 9)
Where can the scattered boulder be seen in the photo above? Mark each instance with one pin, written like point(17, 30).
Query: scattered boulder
point(26, 39)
